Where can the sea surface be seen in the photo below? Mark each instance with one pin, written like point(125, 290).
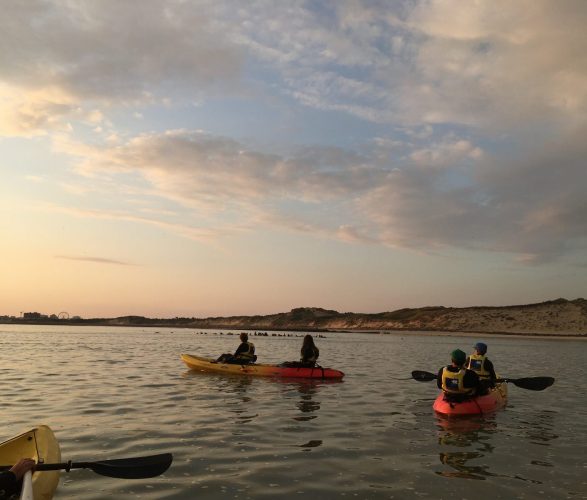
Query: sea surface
point(123, 392)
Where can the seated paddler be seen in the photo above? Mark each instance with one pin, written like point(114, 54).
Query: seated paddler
point(309, 352)
point(482, 366)
point(244, 354)
point(456, 381)
point(11, 480)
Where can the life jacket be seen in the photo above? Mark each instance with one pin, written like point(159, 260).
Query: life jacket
point(477, 364)
point(249, 354)
point(453, 382)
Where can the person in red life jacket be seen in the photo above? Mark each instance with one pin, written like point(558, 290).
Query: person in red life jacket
point(456, 381)
point(480, 364)
point(11, 480)
point(244, 354)
point(309, 352)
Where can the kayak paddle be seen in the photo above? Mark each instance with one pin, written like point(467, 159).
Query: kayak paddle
point(123, 468)
point(530, 383)
point(421, 376)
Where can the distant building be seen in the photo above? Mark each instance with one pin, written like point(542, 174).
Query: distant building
point(33, 315)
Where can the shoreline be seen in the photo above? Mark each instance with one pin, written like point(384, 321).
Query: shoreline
point(395, 332)
point(460, 333)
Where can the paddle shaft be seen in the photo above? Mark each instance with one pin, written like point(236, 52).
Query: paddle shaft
point(66, 466)
point(26, 492)
point(123, 468)
point(530, 383)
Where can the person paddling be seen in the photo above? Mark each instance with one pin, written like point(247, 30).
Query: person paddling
point(11, 480)
point(309, 352)
point(244, 354)
point(456, 381)
point(482, 366)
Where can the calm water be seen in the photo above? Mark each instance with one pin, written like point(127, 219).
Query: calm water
point(123, 392)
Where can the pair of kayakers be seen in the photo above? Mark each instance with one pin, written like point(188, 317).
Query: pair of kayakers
point(245, 352)
point(467, 376)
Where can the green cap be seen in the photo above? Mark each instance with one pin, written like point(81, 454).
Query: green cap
point(458, 356)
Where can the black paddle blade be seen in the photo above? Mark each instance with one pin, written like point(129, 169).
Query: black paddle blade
point(131, 468)
point(422, 376)
point(532, 383)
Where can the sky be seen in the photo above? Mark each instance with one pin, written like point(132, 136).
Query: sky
point(216, 158)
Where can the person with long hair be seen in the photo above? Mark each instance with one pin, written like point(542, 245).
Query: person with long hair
point(309, 352)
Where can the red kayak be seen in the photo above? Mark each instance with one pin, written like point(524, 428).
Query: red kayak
point(494, 400)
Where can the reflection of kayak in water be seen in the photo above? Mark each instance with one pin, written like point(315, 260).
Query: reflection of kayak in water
point(494, 400)
point(209, 365)
point(463, 426)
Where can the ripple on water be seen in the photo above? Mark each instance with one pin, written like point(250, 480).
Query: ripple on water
point(112, 392)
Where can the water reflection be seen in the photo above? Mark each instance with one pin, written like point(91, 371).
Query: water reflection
point(239, 405)
point(307, 404)
point(313, 443)
point(539, 429)
point(469, 432)
point(465, 433)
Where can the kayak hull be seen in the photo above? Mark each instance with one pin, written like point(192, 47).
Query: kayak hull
point(41, 445)
point(493, 401)
point(202, 364)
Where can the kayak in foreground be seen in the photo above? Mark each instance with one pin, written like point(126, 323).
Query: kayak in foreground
point(40, 445)
point(494, 400)
point(202, 364)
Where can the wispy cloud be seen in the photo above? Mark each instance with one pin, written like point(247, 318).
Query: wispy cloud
point(97, 260)
point(488, 203)
point(194, 233)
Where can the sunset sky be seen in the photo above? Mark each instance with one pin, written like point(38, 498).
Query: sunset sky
point(206, 158)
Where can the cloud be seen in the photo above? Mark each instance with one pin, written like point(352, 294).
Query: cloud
point(486, 64)
point(97, 260)
point(450, 152)
point(202, 170)
point(499, 63)
point(34, 112)
point(531, 206)
point(480, 113)
point(202, 234)
point(65, 55)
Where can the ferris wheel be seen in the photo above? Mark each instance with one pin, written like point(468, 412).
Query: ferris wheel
point(63, 315)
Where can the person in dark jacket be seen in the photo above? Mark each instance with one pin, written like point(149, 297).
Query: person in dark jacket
point(244, 354)
point(11, 480)
point(457, 382)
point(309, 352)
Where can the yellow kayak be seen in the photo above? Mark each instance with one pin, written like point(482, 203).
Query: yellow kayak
point(40, 445)
point(199, 363)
